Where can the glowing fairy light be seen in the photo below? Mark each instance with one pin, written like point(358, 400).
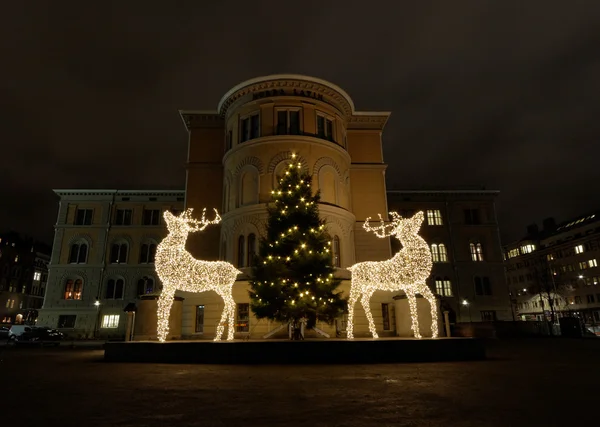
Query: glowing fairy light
point(179, 270)
point(406, 271)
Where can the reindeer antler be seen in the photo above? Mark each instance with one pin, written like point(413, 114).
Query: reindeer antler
point(203, 223)
point(384, 230)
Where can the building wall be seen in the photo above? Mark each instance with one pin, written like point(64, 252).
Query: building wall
point(96, 269)
point(557, 270)
point(457, 232)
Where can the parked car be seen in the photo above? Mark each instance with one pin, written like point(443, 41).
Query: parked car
point(16, 330)
point(40, 336)
point(3, 333)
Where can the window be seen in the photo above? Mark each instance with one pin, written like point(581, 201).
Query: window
point(577, 299)
point(385, 312)
point(583, 265)
point(243, 318)
point(325, 128)
point(110, 321)
point(200, 319)
point(288, 122)
point(488, 316)
point(579, 249)
point(527, 249)
point(336, 252)
point(550, 257)
point(443, 286)
point(114, 289)
point(145, 285)
point(66, 321)
point(439, 253)
point(251, 252)
point(151, 217)
point(434, 217)
point(78, 254)
point(250, 128)
point(83, 217)
point(147, 253)
point(118, 253)
point(482, 286)
point(592, 263)
point(240, 254)
point(472, 216)
point(37, 276)
point(476, 251)
point(513, 253)
point(73, 289)
point(123, 217)
point(590, 298)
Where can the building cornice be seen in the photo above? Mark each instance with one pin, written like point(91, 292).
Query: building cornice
point(368, 120)
point(125, 193)
point(201, 119)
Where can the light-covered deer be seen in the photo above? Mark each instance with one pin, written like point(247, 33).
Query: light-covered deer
point(406, 271)
point(179, 270)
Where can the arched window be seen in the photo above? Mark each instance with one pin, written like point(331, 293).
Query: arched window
point(147, 253)
point(240, 254)
point(439, 253)
point(73, 289)
point(114, 288)
point(145, 285)
point(249, 187)
point(337, 262)
point(328, 184)
point(118, 253)
point(251, 252)
point(476, 251)
point(78, 254)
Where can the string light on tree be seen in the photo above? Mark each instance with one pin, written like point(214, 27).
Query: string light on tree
point(406, 271)
point(292, 278)
point(179, 270)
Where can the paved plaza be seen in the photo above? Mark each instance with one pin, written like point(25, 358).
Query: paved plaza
point(543, 382)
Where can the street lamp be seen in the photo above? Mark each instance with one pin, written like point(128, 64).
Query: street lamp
point(465, 302)
point(97, 304)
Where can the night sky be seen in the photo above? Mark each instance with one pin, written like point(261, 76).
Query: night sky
point(481, 93)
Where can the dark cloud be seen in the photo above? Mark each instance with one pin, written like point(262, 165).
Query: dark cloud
point(496, 94)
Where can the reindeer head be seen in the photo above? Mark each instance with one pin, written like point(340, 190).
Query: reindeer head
point(398, 227)
point(184, 223)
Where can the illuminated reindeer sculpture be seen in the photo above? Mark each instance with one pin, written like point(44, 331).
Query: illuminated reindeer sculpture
point(179, 270)
point(406, 271)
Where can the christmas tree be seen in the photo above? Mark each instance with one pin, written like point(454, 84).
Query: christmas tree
point(293, 275)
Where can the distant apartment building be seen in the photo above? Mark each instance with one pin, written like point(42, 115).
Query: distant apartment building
point(462, 230)
point(103, 257)
point(553, 272)
point(23, 278)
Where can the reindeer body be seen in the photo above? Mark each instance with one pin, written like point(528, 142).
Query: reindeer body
point(406, 271)
point(179, 270)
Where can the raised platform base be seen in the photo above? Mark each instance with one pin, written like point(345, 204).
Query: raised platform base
point(335, 351)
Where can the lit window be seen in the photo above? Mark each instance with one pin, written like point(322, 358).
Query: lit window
point(110, 321)
point(593, 263)
point(476, 251)
point(550, 257)
point(583, 265)
point(37, 276)
point(434, 217)
point(73, 289)
point(579, 249)
point(513, 253)
point(527, 249)
point(443, 286)
point(439, 253)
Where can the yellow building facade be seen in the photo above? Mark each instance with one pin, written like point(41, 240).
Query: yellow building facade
point(235, 154)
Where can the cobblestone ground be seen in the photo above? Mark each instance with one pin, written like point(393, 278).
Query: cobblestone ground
point(543, 382)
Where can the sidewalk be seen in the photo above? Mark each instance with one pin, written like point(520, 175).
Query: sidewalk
point(88, 344)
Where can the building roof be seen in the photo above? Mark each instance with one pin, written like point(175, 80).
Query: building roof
point(105, 192)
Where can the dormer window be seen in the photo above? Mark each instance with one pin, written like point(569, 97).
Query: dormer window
point(250, 128)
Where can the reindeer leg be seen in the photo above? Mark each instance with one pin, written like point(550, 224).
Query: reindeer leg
point(366, 297)
point(231, 305)
point(223, 321)
point(351, 301)
point(165, 301)
point(426, 292)
point(412, 302)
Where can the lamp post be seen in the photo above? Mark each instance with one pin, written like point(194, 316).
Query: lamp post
point(466, 303)
point(97, 304)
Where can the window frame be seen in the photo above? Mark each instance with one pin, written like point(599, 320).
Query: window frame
point(110, 321)
point(434, 217)
point(246, 135)
point(152, 222)
point(326, 117)
point(288, 123)
point(239, 327)
point(87, 219)
point(126, 217)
